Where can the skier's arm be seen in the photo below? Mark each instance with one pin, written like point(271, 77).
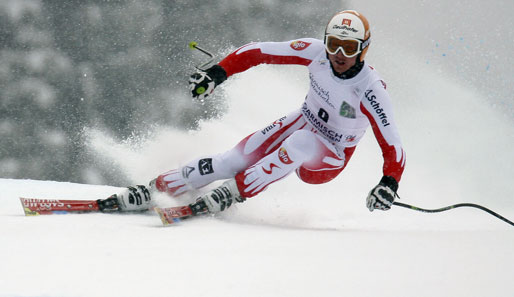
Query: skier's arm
point(298, 52)
point(294, 52)
point(376, 105)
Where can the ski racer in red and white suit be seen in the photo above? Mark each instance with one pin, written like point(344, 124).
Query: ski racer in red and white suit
point(317, 139)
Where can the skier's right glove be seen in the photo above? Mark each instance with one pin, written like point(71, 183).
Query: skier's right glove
point(202, 83)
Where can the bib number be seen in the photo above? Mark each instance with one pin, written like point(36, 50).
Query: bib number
point(323, 114)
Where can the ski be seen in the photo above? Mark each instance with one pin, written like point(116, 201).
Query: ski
point(172, 215)
point(168, 215)
point(34, 207)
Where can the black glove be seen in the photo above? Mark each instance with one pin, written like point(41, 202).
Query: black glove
point(202, 83)
point(382, 196)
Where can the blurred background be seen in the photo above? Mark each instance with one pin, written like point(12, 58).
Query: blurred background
point(118, 66)
point(121, 67)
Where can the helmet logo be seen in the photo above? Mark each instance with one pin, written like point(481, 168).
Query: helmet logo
point(299, 45)
point(347, 22)
point(345, 28)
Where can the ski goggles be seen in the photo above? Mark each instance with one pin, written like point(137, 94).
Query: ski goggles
point(349, 47)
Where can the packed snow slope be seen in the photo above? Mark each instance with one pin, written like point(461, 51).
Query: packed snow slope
point(294, 239)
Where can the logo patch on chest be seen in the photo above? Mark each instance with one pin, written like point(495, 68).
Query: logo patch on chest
point(347, 110)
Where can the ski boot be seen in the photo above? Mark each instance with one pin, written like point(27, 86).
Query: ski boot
point(217, 199)
point(135, 198)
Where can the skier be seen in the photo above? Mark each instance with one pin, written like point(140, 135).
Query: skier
point(316, 140)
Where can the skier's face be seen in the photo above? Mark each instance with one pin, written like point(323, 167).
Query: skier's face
point(340, 63)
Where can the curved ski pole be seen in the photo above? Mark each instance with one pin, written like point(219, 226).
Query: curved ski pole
point(194, 45)
point(454, 206)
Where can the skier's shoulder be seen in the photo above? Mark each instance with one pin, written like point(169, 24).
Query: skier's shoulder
point(369, 71)
point(368, 80)
point(371, 77)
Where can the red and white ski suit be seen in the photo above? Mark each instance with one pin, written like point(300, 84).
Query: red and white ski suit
point(316, 140)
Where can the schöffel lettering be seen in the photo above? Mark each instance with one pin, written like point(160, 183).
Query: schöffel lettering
point(376, 107)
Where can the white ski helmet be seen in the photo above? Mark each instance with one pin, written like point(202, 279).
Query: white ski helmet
point(348, 31)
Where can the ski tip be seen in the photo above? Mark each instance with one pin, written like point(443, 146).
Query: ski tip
point(28, 211)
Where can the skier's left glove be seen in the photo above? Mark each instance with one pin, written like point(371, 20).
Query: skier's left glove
point(382, 196)
point(203, 83)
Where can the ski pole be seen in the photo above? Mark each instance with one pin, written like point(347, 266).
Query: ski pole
point(454, 206)
point(194, 45)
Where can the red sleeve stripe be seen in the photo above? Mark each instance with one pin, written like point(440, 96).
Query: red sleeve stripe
point(394, 156)
point(235, 63)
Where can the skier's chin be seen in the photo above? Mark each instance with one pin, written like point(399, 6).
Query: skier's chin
point(340, 63)
point(341, 66)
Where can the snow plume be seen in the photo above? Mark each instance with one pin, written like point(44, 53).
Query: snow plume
point(252, 106)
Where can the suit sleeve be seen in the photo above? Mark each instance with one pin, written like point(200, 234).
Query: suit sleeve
point(295, 52)
point(377, 107)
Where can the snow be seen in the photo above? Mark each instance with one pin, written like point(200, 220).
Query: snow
point(256, 250)
point(294, 239)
